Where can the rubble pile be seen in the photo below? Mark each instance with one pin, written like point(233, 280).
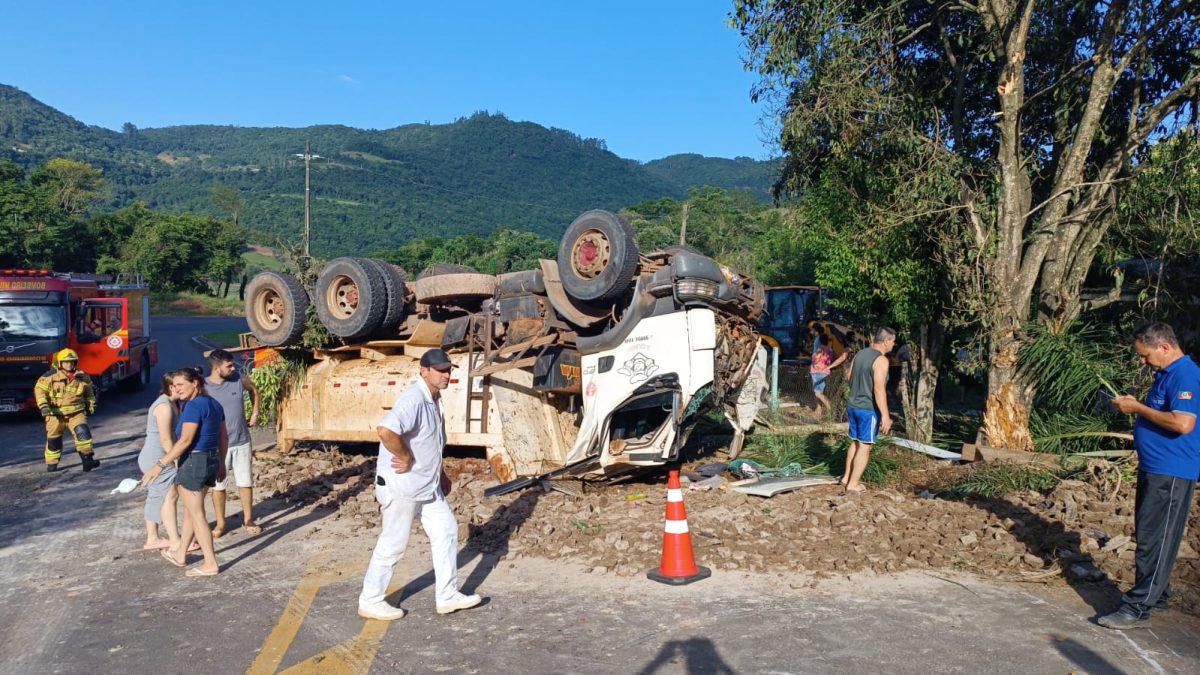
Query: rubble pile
point(1077, 531)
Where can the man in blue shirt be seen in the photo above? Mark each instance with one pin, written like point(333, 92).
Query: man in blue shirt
point(1168, 447)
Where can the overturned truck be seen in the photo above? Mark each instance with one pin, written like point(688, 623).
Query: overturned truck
point(597, 363)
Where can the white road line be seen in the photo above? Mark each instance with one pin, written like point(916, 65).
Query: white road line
point(1144, 654)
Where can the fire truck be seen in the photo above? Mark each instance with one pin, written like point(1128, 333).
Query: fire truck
point(105, 320)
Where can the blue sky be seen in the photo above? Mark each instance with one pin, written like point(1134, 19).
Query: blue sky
point(651, 78)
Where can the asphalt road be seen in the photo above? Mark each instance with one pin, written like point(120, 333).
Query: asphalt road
point(78, 595)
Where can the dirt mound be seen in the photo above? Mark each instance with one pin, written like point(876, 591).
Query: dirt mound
point(1078, 532)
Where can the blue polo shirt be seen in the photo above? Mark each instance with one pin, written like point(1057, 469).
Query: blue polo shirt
point(1176, 389)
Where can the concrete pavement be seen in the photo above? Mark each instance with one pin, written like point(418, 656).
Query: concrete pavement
point(78, 595)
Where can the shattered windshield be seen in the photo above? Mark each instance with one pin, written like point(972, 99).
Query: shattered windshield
point(29, 322)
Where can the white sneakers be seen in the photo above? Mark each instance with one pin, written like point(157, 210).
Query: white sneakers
point(384, 612)
point(459, 601)
point(380, 610)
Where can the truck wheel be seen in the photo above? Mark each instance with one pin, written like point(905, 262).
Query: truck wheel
point(597, 257)
point(395, 281)
point(448, 288)
point(143, 378)
point(351, 298)
point(275, 308)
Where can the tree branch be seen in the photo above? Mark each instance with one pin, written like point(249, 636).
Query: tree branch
point(1113, 295)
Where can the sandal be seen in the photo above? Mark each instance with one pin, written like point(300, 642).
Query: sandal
point(251, 528)
point(166, 554)
point(197, 572)
point(194, 547)
point(859, 490)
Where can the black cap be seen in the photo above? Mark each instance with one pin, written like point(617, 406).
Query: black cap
point(436, 359)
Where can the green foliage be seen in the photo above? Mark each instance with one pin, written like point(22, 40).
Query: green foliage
point(273, 381)
point(818, 453)
point(374, 189)
point(1071, 367)
point(503, 251)
point(1000, 479)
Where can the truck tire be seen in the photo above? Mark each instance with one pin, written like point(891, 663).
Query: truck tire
point(449, 288)
point(275, 307)
point(597, 257)
point(395, 281)
point(351, 298)
point(143, 378)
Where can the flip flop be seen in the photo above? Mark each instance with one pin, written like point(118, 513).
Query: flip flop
point(850, 491)
point(194, 547)
point(166, 554)
point(161, 543)
point(251, 528)
point(197, 572)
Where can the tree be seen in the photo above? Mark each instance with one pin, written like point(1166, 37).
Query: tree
point(229, 200)
point(72, 186)
point(1042, 112)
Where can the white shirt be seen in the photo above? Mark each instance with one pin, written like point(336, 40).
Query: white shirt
point(416, 417)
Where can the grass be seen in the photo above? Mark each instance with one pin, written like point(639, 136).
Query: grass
point(195, 304)
point(258, 261)
point(998, 480)
point(819, 453)
point(223, 338)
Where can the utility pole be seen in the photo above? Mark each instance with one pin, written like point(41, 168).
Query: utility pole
point(308, 157)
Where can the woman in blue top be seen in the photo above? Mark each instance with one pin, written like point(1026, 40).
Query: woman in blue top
point(200, 446)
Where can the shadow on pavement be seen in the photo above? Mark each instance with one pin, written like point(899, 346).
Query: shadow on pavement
point(699, 655)
point(271, 513)
point(1051, 541)
point(1083, 656)
point(488, 542)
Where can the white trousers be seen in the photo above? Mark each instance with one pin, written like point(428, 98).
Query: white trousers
point(438, 522)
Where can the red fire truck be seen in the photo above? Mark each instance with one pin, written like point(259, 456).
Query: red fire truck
point(105, 320)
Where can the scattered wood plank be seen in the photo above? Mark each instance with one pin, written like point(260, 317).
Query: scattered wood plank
point(925, 449)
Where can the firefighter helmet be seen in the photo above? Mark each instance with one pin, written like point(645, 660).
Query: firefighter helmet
point(66, 355)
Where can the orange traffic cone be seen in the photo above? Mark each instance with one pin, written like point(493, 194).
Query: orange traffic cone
point(678, 565)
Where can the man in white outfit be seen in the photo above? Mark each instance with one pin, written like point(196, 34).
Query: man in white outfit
point(409, 483)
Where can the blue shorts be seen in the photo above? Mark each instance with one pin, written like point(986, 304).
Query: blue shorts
point(818, 380)
point(864, 424)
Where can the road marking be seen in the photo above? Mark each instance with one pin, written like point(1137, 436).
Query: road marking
point(1145, 655)
point(281, 637)
point(346, 658)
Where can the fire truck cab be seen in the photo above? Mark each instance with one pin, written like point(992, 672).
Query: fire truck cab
point(105, 320)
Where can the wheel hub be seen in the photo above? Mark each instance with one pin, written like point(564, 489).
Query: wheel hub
point(271, 309)
point(345, 296)
point(591, 254)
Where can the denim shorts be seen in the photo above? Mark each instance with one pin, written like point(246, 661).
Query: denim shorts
point(197, 471)
point(818, 381)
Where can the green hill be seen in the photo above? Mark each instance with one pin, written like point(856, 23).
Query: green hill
point(371, 189)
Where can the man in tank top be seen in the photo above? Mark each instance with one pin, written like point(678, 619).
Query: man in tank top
point(867, 407)
point(227, 388)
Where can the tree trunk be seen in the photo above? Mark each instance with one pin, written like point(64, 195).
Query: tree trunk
point(919, 377)
point(1010, 398)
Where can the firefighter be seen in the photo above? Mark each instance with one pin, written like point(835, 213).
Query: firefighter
point(65, 398)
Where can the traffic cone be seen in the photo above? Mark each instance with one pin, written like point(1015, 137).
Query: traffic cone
point(678, 566)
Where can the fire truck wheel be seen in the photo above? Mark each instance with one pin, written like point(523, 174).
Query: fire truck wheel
point(143, 378)
point(395, 281)
point(275, 307)
point(597, 257)
point(455, 288)
point(351, 298)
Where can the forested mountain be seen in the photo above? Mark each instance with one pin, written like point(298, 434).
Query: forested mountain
point(371, 189)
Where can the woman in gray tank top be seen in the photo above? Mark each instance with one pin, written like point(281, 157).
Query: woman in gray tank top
point(161, 497)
